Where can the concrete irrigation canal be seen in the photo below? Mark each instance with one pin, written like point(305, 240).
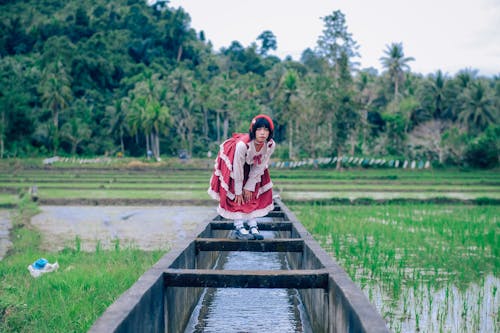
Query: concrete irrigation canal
point(213, 283)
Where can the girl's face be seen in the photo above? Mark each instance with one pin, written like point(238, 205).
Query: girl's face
point(261, 134)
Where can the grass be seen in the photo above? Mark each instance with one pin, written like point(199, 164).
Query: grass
point(407, 258)
point(71, 298)
point(8, 199)
point(123, 194)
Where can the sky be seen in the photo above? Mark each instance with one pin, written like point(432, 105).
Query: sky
point(446, 35)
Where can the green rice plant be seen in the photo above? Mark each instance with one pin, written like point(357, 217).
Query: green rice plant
point(417, 252)
point(8, 200)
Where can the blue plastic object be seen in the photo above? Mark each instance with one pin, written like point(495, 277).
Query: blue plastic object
point(40, 263)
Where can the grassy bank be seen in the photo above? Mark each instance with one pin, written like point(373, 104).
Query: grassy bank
point(71, 298)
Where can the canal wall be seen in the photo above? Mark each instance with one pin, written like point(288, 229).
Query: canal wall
point(148, 306)
point(151, 305)
point(342, 307)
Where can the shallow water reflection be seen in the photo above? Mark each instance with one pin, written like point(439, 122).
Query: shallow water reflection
point(423, 308)
point(247, 309)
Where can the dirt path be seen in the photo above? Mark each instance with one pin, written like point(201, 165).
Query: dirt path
point(5, 225)
point(145, 227)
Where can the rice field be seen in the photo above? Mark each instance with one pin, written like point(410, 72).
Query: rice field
point(291, 185)
point(426, 267)
point(423, 245)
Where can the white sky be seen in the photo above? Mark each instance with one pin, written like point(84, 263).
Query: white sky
point(440, 34)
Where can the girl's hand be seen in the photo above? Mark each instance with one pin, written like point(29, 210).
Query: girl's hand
point(247, 195)
point(238, 199)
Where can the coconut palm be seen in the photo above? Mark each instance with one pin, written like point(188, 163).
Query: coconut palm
point(289, 104)
point(118, 120)
point(396, 63)
point(478, 109)
point(56, 96)
point(156, 121)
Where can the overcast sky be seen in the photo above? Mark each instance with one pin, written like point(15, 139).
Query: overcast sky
point(440, 34)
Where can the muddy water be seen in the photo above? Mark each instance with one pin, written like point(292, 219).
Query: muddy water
point(148, 228)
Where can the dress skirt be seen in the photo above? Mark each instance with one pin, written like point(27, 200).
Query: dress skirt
point(222, 186)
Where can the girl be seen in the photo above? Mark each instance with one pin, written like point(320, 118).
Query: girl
point(241, 181)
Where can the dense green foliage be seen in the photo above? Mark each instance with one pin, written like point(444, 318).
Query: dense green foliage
point(98, 77)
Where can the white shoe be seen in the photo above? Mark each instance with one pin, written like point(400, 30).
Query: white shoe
point(254, 231)
point(243, 234)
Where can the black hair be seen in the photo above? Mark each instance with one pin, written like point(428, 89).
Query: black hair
point(261, 122)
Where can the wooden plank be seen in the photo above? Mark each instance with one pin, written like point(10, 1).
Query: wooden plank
point(266, 245)
point(272, 226)
point(298, 279)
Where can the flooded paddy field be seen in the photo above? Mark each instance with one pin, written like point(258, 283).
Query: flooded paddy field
point(146, 227)
point(426, 267)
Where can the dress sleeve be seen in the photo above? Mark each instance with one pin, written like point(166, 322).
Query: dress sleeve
point(238, 164)
point(257, 170)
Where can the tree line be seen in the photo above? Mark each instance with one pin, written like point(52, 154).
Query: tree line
point(97, 77)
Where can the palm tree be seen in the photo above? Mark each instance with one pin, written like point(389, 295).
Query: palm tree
point(478, 107)
point(135, 117)
point(437, 91)
point(118, 120)
point(289, 104)
point(223, 88)
point(75, 131)
point(396, 63)
point(156, 120)
point(56, 96)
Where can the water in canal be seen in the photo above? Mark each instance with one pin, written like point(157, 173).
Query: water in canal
point(248, 309)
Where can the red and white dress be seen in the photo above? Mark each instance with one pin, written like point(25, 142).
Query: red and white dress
point(239, 166)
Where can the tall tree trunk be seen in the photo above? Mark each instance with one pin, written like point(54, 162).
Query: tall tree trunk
point(290, 139)
point(2, 135)
point(179, 53)
point(148, 148)
point(152, 142)
point(74, 145)
point(56, 132)
point(157, 143)
point(339, 159)
point(218, 127)
point(225, 128)
point(330, 135)
point(122, 144)
point(205, 121)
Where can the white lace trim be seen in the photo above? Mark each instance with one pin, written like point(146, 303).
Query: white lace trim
point(265, 188)
point(231, 195)
point(245, 216)
point(225, 158)
point(224, 185)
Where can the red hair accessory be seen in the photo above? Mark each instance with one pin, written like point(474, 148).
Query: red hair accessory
point(266, 117)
